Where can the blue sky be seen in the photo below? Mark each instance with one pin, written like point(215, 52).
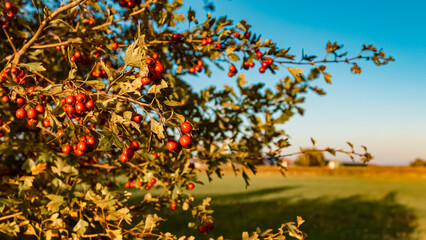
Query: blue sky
point(384, 108)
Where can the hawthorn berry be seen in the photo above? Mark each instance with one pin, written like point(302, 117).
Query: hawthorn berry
point(204, 42)
point(114, 46)
point(173, 206)
point(8, 5)
point(247, 34)
point(172, 145)
point(70, 99)
point(90, 140)
point(200, 63)
point(186, 127)
point(236, 34)
point(32, 113)
point(134, 145)
point(159, 67)
point(79, 107)
point(123, 158)
point(270, 60)
point(261, 70)
point(66, 149)
point(81, 146)
point(46, 122)
point(129, 153)
point(190, 186)
point(192, 70)
point(20, 101)
point(137, 118)
point(5, 99)
point(146, 80)
point(21, 113)
point(185, 141)
point(259, 54)
point(59, 133)
point(90, 104)
point(232, 68)
point(80, 98)
point(39, 109)
point(14, 70)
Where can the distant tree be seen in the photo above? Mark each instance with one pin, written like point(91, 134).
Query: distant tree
point(418, 163)
point(311, 157)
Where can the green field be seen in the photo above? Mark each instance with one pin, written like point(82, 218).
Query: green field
point(334, 207)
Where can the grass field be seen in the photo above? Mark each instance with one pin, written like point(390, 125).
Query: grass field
point(335, 207)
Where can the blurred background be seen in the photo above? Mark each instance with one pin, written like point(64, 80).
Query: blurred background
point(383, 109)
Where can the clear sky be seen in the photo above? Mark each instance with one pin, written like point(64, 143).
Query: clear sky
point(384, 108)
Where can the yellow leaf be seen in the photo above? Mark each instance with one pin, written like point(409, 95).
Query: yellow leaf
point(295, 71)
point(30, 230)
point(300, 221)
point(39, 168)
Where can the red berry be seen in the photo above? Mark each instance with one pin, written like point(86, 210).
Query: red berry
point(32, 113)
point(173, 206)
point(251, 64)
point(155, 55)
point(159, 67)
point(70, 110)
point(21, 113)
point(3, 75)
point(247, 34)
point(200, 63)
point(137, 118)
point(60, 132)
point(123, 158)
point(31, 89)
point(90, 104)
point(70, 99)
point(8, 5)
point(10, 14)
point(185, 141)
point(90, 140)
point(172, 145)
point(192, 70)
point(186, 127)
point(134, 145)
point(77, 54)
point(81, 146)
point(265, 64)
point(259, 54)
point(80, 107)
point(148, 60)
point(209, 40)
point(46, 122)
point(14, 70)
point(5, 99)
point(40, 109)
point(129, 153)
point(218, 45)
point(261, 70)
point(230, 74)
point(66, 149)
point(270, 60)
point(20, 101)
point(127, 184)
point(146, 80)
point(190, 186)
point(204, 42)
point(198, 68)
point(81, 97)
point(32, 122)
point(153, 180)
point(114, 45)
point(232, 68)
point(236, 34)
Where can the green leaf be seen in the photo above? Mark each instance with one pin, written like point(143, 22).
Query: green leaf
point(98, 84)
point(34, 67)
point(233, 57)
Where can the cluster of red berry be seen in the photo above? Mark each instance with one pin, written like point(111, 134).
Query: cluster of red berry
point(128, 3)
point(232, 71)
point(32, 113)
point(184, 141)
point(265, 64)
point(77, 106)
point(197, 68)
point(131, 183)
point(129, 152)
point(155, 69)
point(18, 75)
point(205, 228)
point(246, 35)
point(85, 145)
point(11, 11)
point(177, 38)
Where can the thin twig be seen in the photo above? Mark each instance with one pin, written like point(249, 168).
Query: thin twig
point(10, 216)
point(10, 41)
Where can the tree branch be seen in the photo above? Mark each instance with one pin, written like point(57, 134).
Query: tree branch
point(22, 51)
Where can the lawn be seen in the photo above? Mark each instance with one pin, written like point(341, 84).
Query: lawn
point(334, 207)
